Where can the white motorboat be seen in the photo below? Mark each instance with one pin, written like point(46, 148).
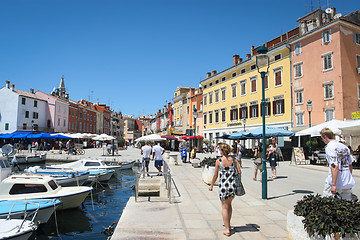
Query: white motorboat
point(18, 209)
point(86, 164)
point(16, 229)
point(65, 178)
point(24, 159)
point(5, 169)
point(31, 186)
point(101, 175)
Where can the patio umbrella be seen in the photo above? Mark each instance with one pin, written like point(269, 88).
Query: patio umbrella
point(269, 132)
point(224, 136)
point(239, 135)
point(103, 137)
point(151, 137)
point(170, 137)
point(60, 136)
point(314, 131)
point(39, 136)
point(191, 137)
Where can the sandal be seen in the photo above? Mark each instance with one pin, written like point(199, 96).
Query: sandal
point(227, 234)
point(254, 179)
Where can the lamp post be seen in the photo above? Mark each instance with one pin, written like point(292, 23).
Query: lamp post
point(263, 61)
point(309, 109)
point(195, 113)
point(244, 121)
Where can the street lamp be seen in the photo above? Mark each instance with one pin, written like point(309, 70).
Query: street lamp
point(309, 109)
point(244, 121)
point(195, 113)
point(262, 62)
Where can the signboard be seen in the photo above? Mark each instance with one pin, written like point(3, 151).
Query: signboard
point(355, 115)
point(298, 155)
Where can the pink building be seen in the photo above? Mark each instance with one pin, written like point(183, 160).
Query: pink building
point(326, 67)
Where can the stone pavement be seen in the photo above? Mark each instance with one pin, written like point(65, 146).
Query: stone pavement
point(196, 212)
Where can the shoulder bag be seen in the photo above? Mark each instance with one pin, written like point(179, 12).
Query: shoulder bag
point(239, 188)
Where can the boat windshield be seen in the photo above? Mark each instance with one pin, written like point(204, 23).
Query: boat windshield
point(92, 164)
point(20, 188)
point(53, 185)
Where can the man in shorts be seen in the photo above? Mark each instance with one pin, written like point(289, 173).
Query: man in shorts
point(157, 152)
point(146, 153)
point(339, 180)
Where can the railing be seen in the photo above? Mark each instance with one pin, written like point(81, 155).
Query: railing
point(167, 177)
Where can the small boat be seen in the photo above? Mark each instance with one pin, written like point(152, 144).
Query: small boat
point(64, 178)
point(124, 165)
point(86, 165)
point(24, 159)
point(16, 229)
point(5, 168)
point(31, 186)
point(17, 209)
point(101, 175)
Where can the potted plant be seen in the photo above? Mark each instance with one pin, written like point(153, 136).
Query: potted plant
point(329, 218)
point(208, 169)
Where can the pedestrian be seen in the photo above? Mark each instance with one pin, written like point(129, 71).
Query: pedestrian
point(239, 150)
point(271, 157)
point(193, 153)
point(68, 146)
point(258, 161)
point(339, 181)
point(217, 150)
point(225, 167)
point(146, 151)
point(157, 152)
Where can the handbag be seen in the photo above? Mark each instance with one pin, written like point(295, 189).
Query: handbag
point(239, 188)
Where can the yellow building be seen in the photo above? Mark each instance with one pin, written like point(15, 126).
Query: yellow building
point(232, 98)
point(180, 114)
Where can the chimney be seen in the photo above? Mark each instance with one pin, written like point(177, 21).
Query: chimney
point(248, 56)
point(7, 84)
point(214, 72)
point(235, 60)
point(12, 86)
point(252, 50)
point(31, 90)
point(240, 60)
point(208, 74)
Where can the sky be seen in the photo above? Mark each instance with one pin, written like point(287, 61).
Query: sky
point(133, 54)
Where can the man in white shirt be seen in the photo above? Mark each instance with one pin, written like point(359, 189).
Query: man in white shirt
point(158, 151)
point(146, 153)
point(339, 180)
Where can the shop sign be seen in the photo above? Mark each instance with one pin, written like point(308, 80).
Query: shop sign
point(355, 115)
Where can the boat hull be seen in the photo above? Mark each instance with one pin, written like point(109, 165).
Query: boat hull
point(8, 229)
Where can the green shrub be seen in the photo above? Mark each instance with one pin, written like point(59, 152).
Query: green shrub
point(325, 215)
point(314, 144)
point(209, 161)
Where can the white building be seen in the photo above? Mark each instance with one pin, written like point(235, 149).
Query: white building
point(21, 110)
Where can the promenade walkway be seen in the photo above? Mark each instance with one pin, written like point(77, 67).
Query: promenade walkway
point(196, 212)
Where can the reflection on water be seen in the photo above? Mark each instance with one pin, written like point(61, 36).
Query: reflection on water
point(88, 221)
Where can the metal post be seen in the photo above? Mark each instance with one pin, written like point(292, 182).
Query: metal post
point(264, 173)
point(310, 127)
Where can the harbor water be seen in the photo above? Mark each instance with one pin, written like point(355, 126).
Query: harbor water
point(99, 211)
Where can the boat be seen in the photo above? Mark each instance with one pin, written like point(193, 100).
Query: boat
point(5, 168)
point(17, 209)
point(124, 165)
point(16, 229)
point(25, 159)
point(101, 175)
point(86, 164)
point(64, 178)
point(31, 186)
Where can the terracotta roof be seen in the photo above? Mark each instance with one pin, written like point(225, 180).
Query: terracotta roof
point(28, 94)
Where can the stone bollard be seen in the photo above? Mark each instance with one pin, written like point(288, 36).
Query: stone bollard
point(173, 159)
point(166, 155)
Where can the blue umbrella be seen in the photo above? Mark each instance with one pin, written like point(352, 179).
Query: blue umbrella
point(270, 132)
point(6, 135)
point(240, 135)
point(59, 136)
point(20, 135)
point(40, 136)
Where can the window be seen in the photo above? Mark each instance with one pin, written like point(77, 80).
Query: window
point(23, 101)
point(216, 116)
point(35, 115)
point(216, 96)
point(233, 74)
point(298, 70)
point(243, 111)
point(326, 37)
point(81, 115)
point(329, 115)
point(297, 50)
point(233, 113)
point(267, 108)
point(24, 126)
point(243, 87)
point(328, 91)
point(356, 37)
point(223, 79)
point(254, 110)
point(223, 115)
point(210, 117)
point(205, 118)
point(299, 96)
point(217, 81)
point(6, 126)
point(205, 86)
point(35, 103)
point(253, 84)
point(233, 90)
point(210, 84)
point(205, 100)
point(358, 63)
point(278, 77)
point(64, 123)
point(26, 114)
point(58, 121)
point(278, 105)
point(243, 71)
point(266, 81)
point(223, 94)
point(277, 57)
point(299, 119)
point(210, 98)
point(252, 67)
point(327, 61)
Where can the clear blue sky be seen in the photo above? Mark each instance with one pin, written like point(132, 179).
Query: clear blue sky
point(133, 54)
